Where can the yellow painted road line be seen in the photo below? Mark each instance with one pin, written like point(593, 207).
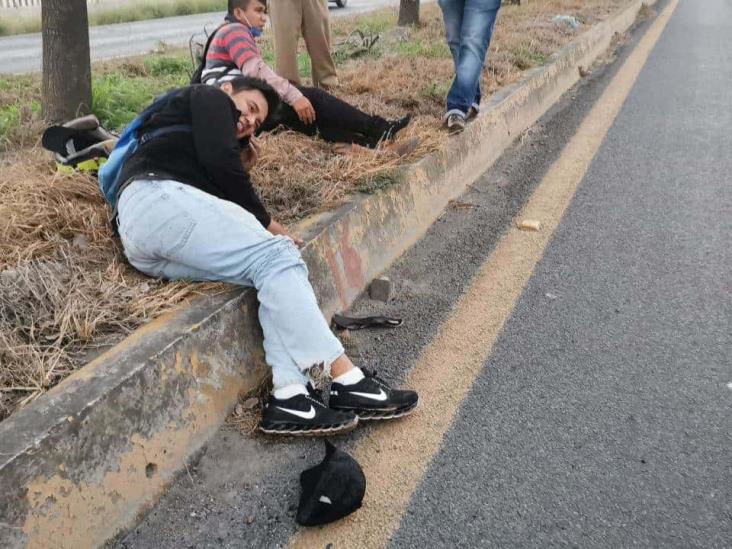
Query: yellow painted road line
point(395, 456)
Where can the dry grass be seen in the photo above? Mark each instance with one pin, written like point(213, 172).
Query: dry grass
point(411, 75)
point(65, 289)
point(315, 179)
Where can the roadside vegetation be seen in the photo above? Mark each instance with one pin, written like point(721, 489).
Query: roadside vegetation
point(65, 290)
point(140, 10)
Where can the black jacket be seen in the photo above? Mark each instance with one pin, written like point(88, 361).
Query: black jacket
point(207, 157)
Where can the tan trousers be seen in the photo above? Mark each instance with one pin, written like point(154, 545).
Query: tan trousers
point(309, 17)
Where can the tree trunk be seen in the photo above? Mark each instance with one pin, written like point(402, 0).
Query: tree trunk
point(66, 91)
point(408, 12)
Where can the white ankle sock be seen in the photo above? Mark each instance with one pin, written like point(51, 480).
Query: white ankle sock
point(289, 391)
point(351, 377)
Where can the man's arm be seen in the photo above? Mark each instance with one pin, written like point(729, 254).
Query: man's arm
point(237, 43)
point(213, 119)
point(257, 68)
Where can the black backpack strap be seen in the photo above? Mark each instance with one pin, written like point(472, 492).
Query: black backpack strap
point(159, 132)
point(196, 77)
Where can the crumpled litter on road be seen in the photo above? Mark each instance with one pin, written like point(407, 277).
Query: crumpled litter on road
point(529, 225)
point(567, 19)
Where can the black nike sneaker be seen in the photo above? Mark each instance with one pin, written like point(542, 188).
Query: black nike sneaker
point(372, 398)
point(395, 126)
point(304, 415)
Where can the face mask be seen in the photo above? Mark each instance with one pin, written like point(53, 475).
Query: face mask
point(256, 31)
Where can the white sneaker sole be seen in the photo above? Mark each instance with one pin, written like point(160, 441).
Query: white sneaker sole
point(318, 432)
point(380, 416)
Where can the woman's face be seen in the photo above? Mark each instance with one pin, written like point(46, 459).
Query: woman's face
point(253, 109)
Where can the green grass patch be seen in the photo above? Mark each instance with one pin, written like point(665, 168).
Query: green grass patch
point(352, 38)
point(118, 99)
point(17, 85)
point(120, 90)
point(422, 48)
point(436, 90)
point(526, 56)
point(376, 24)
point(13, 117)
point(303, 64)
point(266, 48)
point(145, 10)
point(19, 24)
point(175, 67)
point(20, 109)
point(118, 96)
point(139, 11)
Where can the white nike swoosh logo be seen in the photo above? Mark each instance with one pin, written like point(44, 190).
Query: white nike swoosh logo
point(298, 413)
point(381, 395)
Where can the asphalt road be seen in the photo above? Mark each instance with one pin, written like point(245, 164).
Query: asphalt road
point(602, 417)
point(23, 53)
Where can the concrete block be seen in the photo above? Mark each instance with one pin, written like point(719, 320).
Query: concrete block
point(380, 289)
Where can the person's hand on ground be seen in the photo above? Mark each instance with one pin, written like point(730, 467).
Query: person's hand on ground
point(250, 155)
point(275, 227)
point(305, 111)
point(400, 148)
point(350, 148)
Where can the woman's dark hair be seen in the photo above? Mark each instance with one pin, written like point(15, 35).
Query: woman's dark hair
point(241, 83)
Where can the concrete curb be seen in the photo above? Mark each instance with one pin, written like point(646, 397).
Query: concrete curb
point(108, 440)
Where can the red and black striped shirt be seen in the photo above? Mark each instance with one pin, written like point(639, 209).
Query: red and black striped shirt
point(232, 46)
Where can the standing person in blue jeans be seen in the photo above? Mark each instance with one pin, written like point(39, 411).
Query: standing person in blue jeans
point(188, 210)
point(469, 27)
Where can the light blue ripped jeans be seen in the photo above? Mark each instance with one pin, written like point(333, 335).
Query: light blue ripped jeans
point(175, 231)
point(468, 27)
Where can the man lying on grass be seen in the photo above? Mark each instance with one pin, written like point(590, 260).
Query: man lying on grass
point(187, 210)
point(233, 52)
